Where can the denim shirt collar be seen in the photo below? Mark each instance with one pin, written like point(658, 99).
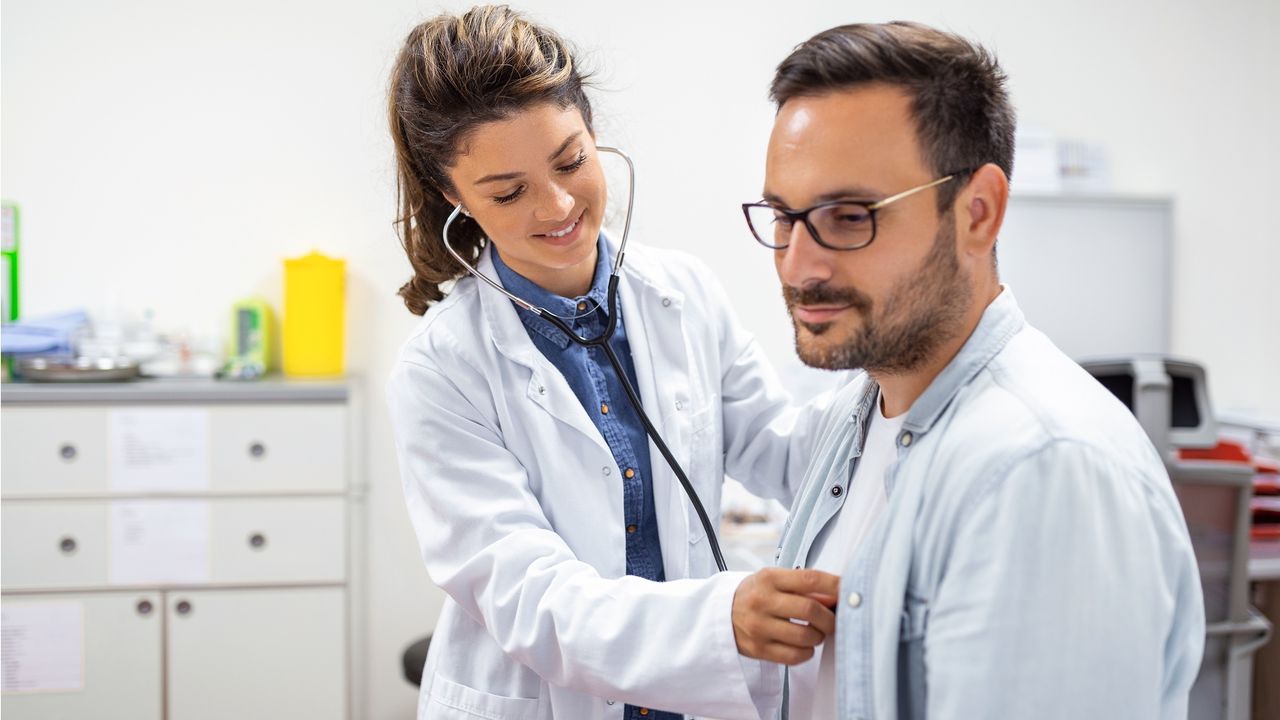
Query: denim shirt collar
point(564, 307)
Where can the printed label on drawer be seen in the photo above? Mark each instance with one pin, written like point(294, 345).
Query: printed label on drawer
point(43, 645)
point(159, 541)
point(159, 449)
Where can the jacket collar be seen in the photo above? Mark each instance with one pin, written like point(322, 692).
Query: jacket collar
point(1000, 322)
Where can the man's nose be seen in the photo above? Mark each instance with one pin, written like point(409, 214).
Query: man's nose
point(804, 262)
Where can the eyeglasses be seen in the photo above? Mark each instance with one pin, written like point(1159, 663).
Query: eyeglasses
point(835, 225)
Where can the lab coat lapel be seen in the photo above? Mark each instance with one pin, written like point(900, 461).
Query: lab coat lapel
point(546, 387)
point(655, 330)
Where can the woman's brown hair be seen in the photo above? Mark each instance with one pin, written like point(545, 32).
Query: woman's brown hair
point(455, 73)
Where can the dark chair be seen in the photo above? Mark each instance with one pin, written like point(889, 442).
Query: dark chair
point(414, 658)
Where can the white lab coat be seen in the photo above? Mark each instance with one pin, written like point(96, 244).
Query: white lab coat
point(517, 505)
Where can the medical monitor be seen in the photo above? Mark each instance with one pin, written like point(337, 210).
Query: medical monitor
point(1170, 397)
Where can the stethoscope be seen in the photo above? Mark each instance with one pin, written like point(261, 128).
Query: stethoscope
point(602, 341)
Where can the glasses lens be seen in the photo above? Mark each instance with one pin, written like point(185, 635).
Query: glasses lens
point(843, 225)
point(771, 228)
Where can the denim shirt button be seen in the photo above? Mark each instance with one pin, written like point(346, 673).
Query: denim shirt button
point(855, 599)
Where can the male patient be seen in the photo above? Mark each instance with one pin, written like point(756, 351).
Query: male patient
point(1008, 542)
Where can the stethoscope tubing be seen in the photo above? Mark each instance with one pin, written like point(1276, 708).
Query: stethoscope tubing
point(602, 341)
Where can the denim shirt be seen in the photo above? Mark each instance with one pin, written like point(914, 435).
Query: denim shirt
point(1033, 560)
point(596, 384)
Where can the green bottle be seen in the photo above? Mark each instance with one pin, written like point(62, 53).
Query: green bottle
point(9, 251)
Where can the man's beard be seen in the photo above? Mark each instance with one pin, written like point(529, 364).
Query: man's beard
point(920, 313)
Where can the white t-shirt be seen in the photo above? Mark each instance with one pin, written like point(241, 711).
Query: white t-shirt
point(813, 683)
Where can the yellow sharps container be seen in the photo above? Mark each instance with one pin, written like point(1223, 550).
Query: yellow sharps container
point(314, 315)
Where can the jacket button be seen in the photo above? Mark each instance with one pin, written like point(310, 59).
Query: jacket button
point(855, 600)
point(630, 473)
point(631, 528)
point(604, 408)
point(837, 491)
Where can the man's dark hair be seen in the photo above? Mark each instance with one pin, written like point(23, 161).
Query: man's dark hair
point(958, 98)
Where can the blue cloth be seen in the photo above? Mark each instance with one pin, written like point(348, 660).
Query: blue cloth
point(46, 335)
point(593, 380)
point(596, 385)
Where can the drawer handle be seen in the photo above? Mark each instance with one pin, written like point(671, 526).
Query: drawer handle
point(67, 545)
point(257, 450)
point(144, 607)
point(257, 541)
point(68, 452)
point(183, 607)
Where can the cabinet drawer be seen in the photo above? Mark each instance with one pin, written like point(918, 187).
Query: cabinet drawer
point(58, 544)
point(54, 544)
point(53, 451)
point(267, 448)
point(258, 448)
point(284, 540)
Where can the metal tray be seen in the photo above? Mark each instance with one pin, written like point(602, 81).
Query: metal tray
point(80, 369)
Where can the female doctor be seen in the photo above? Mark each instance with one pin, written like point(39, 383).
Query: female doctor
point(579, 579)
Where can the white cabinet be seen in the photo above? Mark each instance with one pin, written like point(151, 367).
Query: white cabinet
point(233, 596)
point(120, 659)
point(257, 654)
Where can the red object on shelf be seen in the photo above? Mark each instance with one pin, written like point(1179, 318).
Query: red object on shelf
point(1265, 532)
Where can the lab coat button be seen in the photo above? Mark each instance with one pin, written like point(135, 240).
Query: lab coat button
point(605, 470)
point(906, 439)
point(666, 302)
point(837, 491)
point(609, 702)
point(855, 600)
point(542, 390)
point(679, 405)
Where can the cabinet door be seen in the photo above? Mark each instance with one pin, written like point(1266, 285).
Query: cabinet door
point(119, 653)
point(250, 654)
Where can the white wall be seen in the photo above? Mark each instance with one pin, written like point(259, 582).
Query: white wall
point(168, 154)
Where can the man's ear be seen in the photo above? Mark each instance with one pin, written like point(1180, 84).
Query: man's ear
point(982, 204)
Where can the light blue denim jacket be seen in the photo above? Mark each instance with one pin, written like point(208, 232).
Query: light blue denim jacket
point(1033, 561)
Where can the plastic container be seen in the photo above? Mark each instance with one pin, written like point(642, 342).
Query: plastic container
point(314, 316)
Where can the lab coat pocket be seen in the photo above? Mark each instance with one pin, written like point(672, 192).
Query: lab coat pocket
point(703, 461)
point(449, 700)
point(911, 680)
